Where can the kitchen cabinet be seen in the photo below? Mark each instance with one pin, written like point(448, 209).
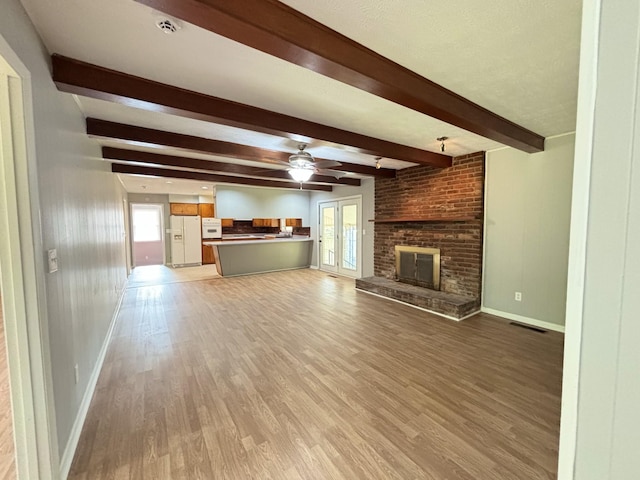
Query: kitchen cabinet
point(266, 222)
point(206, 210)
point(190, 209)
point(227, 222)
point(293, 222)
point(207, 255)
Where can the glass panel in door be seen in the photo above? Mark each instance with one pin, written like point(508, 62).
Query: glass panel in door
point(349, 227)
point(328, 234)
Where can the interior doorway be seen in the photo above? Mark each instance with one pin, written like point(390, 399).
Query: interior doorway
point(147, 222)
point(25, 328)
point(340, 236)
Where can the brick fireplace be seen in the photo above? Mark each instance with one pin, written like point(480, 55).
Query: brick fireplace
point(428, 207)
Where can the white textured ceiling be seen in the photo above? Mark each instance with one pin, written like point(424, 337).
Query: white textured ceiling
point(158, 185)
point(517, 58)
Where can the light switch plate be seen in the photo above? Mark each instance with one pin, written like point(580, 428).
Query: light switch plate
point(52, 258)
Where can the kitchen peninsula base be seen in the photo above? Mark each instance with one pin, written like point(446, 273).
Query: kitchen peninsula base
point(245, 257)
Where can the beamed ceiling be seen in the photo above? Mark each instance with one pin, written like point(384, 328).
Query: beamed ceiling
point(230, 95)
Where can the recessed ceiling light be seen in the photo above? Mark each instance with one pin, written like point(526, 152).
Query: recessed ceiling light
point(168, 181)
point(205, 188)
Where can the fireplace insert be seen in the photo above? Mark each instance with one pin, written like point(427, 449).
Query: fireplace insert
point(418, 266)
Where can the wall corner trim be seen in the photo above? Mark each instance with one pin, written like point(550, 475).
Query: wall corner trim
point(526, 320)
point(76, 429)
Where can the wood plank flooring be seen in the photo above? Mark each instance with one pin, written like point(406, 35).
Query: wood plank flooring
point(7, 449)
point(295, 375)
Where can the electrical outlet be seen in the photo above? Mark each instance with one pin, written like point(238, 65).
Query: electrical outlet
point(518, 296)
point(76, 372)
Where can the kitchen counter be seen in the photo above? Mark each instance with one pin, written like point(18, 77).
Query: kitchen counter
point(253, 237)
point(260, 253)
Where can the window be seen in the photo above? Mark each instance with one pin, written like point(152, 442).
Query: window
point(147, 223)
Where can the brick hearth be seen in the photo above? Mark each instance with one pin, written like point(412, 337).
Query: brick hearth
point(449, 304)
point(424, 193)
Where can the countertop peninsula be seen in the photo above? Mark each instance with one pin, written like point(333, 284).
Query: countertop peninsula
point(254, 253)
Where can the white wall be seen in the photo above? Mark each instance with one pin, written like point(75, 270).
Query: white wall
point(173, 198)
point(527, 212)
point(81, 211)
point(367, 190)
point(600, 427)
point(245, 203)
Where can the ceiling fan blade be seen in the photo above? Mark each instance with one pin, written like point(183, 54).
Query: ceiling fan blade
point(331, 173)
point(326, 164)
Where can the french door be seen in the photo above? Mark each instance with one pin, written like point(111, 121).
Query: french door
point(340, 237)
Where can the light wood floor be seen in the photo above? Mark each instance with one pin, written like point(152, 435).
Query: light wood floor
point(295, 375)
point(162, 275)
point(7, 449)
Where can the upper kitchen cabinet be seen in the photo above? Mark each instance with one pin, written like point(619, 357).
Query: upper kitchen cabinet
point(266, 222)
point(206, 210)
point(293, 222)
point(184, 208)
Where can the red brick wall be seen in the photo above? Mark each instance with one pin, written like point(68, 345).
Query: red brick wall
point(426, 191)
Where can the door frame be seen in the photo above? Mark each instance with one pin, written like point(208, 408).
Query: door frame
point(338, 201)
point(127, 235)
point(23, 273)
point(162, 231)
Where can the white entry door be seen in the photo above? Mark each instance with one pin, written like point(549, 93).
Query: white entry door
point(340, 237)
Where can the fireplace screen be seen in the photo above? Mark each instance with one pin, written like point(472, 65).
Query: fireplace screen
point(418, 266)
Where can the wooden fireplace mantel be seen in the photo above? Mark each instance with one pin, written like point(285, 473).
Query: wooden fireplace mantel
point(439, 219)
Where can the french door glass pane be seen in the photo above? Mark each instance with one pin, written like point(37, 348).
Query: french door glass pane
point(349, 236)
point(328, 235)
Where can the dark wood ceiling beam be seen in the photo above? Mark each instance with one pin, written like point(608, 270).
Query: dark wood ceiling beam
point(279, 30)
point(74, 76)
point(209, 177)
point(179, 162)
point(132, 135)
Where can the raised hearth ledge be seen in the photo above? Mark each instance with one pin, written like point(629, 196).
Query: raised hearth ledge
point(447, 305)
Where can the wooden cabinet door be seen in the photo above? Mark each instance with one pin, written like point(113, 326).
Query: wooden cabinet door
point(207, 255)
point(227, 222)
point(206, 210)
point(294, 222)
point(183, 209)
point(266, 222)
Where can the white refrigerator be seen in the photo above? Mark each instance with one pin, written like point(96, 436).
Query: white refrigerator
point(186, 240)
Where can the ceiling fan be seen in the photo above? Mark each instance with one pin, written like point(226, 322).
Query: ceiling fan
point(302, 165)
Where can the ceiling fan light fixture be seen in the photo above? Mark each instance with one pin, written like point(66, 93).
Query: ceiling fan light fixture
point(301, 159)
point(300, 174)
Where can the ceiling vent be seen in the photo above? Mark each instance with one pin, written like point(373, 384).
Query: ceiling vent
point(167, 25)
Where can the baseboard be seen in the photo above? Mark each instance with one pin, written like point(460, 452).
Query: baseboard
point(74, 437)
point(449, 317)
point(526, 320)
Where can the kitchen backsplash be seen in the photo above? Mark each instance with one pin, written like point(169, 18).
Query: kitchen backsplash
point(246, 226)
